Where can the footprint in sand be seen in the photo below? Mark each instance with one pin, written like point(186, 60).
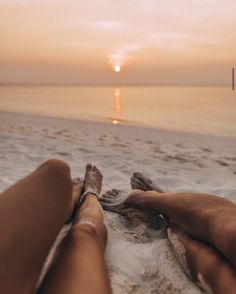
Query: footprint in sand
point(63, 153)
point(179, 145)
point(178, 158)
point(221, 162)
point(83, 150)
point(50, 137)
point(58, 133)
point(149, 142)
point(119, 145)
point(230, 158)
point(207, 150)
point(116, 138)
point(157, 149)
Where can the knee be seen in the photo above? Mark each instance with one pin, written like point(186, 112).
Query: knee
point(56, 165)
point(86, 231)
point(57, 169)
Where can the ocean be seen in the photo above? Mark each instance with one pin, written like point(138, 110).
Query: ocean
point(208, 110)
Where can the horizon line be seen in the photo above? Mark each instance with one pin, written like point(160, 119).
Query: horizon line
point(115, 85)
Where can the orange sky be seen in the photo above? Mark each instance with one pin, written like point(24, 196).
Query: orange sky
point(154, 41)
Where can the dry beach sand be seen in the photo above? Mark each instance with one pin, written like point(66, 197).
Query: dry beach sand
point(140, 259)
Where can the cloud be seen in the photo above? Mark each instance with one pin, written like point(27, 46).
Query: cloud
point(102, 25)
point(168, 41)
point(124, 53)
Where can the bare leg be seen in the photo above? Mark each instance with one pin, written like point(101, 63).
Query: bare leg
point(200, 215)
point(32, 212)
point(79, 265)
point(207, 218)
point(208, 268)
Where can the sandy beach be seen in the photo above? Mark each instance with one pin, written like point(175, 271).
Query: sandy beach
point(140, 260)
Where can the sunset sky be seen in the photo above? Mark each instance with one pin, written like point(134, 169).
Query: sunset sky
point(153, 41)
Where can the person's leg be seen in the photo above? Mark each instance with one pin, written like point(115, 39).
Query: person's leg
point(206, 266)
point(32, 212)
point(208, 218)
point(79, 264)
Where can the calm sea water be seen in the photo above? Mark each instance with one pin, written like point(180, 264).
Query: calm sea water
point(210, 110)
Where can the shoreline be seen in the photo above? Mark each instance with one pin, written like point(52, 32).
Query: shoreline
point(127, 124)
point(189, 109)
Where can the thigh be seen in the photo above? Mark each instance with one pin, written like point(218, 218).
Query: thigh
point(206, 266)
point(32, 213)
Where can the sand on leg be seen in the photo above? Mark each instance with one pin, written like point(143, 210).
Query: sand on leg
point(32, 212)
point(208, 218)
point(205, 265)
point(79, 265)
point(138, 182)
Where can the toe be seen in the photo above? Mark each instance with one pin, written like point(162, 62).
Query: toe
point(135, 183)
point(111, 194)
point(137, 175)
point(115, 192)
point(132, 180)
point(108, 193)
point(105, 200)
point(75, 181)
point(97, 171)
point(89, 167)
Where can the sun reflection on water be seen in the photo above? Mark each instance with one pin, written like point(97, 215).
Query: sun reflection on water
point(117, 106)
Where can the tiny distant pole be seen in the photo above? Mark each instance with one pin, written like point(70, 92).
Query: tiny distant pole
point(233, 79)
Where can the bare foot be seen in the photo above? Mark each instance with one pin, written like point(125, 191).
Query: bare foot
point(139, 182)
point(90, 214)
point(113, 201)
point(78, 186)
point(119, 201)
point(93, 179)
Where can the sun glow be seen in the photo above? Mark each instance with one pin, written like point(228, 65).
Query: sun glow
point(117, 68)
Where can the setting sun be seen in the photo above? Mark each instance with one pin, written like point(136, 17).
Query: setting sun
point(117, 68)
point(115, 122)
